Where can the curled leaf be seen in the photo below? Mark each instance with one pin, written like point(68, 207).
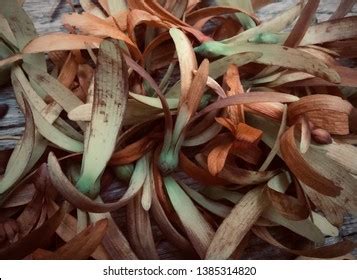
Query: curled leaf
point(233, 229)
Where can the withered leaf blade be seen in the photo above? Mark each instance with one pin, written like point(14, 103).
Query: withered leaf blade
point(61, 41)
point(53, 87)
point(217, 157)
point(114, 242)
point(330, 251)
point(272, 55)
point(332, 30)
point(43, 116)
point(167, 228)
point(140, 230)
point(334, 171)
point(68, 230)
point(323, 111)
point(92, 25)
point(252, 97)
point(20, 196)
point(302, 169)
point(109, 105)
point(302, 24)
point(81, 201)
point(208, 12)
point(84, 244)
point(233, 228)
point(187, 60)
point(89, 7)
point(20, 156)
point(23, 30)
point(198, 230)
point(333, 212)
point(239, 176)
point(198, 173)
point(30, 215)
point(286, 92)
point(35, 239)
point(288, 206)
point(274, 25)
point(343, 9)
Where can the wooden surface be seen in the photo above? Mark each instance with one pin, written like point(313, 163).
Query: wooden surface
point(46, 16)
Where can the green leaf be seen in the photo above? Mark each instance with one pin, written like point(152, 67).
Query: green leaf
point(205, 136)
point(22, 89)
point(109, 105)
point(52, 87)
point(5, 63)
point(246, 21)
point(304, 228)
point(188, 105)
point(219, 67)
point(276, 55)
point(6, 32)
point(241, 4)
point(198, 230)
point(186, 57)
point(277, 24)
point(19, 157)
point(5, 50)
point(43, 122)
point(91, 8)
point(65, 187)
point(54, 135)
point(46, 85)
point(214, 207)
point(116, 6)
point(5, 70)
point(265, 38)
point(218, 193)
point(136, 112)
point(23, 29)
point(124, 172)
point(155, 101)
point(114, 241)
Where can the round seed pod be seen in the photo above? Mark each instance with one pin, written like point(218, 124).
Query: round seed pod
point(321, 136)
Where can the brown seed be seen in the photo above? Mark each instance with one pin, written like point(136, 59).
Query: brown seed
point(321, 136)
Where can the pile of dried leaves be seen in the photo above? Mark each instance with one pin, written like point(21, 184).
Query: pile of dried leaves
point(262, 120)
